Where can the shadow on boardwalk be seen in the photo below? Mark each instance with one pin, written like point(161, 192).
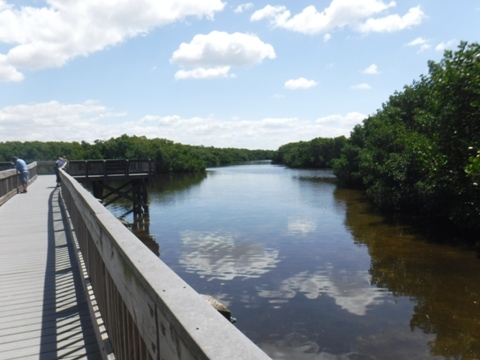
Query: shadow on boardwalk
point(43, 309)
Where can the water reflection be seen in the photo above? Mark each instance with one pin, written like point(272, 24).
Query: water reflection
point(311, 271)
point(163, 188)
point(299, 347)
point(301, 226)
point(141, 229)
point(169, 188)
point(442, 280)
point(219, 255)
point(351, 290)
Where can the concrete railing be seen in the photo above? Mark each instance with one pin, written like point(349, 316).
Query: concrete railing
point(149, 312)
point(46, 167)
point(10, 184)
point(111, 168)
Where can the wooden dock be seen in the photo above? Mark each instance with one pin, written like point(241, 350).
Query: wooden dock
point(43, 311)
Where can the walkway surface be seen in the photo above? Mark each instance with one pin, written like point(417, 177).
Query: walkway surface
point(43, 312)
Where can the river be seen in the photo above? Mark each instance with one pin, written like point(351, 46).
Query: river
point(310, 271)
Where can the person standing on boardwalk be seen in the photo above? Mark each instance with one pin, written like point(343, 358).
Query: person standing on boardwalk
point(22, 169)
point(58, 164)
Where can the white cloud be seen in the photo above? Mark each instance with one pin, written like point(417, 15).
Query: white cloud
point(300, 83)
point(56, 121)
point(243, 7)
point(446, 45)
point(222, 50)
point(421, 43)
point(371, 70)
point(89, 121)
point(393, 23)
point(327, 37)
point(363, 86)
point(202, 73)
point(50, 36)
point(359, 16)
point(417, 42)
point(347, 121)
point(8, 72)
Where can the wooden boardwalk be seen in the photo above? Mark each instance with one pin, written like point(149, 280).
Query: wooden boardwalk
point(43, 312)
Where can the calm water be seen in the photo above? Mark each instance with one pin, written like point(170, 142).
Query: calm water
point(309, 271)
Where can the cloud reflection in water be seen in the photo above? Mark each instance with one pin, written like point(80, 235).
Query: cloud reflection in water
point(301, 226)
point(351, 290)
point(299, 347)
point(219, 255)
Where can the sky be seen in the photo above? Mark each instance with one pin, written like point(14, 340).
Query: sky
point(254, 75)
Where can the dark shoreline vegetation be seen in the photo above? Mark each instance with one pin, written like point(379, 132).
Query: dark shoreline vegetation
point(417, 155)
point(170, 157)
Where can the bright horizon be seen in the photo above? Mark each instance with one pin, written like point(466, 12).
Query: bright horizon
point(214, 73)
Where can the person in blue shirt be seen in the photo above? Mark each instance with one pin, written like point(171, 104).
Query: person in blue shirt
point(22, 169)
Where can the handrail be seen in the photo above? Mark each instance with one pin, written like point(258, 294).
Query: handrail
point(149, 312)
point(9, 182)
point(123, 167)
point(5, 165)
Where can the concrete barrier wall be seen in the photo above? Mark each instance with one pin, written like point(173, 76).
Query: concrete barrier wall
point(149, 312)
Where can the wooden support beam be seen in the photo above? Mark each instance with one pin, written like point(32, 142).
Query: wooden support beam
point(135, 190)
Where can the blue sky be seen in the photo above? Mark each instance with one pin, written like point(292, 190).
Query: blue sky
point(215, 73)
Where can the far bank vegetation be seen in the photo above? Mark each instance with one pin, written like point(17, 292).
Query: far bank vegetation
point(418, 154)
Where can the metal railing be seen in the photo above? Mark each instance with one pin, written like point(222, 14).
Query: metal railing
point(10, 183)
point(148, 311)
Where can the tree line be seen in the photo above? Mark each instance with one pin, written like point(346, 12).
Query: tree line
point(418, 154)
point(316, 153)
point(169, 156)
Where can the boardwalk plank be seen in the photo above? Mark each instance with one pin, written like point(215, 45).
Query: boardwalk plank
point(43, 311)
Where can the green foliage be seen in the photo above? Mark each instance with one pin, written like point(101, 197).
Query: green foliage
point(316, 153)
point(170, 156)
point(419, 152)
point(37, 150)
point(347, 166)
point(473, 168)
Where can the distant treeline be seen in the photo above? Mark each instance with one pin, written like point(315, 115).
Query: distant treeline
point(170, 156)
point(316, 153)
point(418, 154)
